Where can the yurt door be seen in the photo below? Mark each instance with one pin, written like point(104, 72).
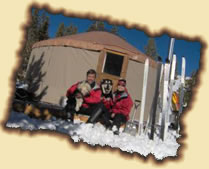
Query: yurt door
point(112, 65)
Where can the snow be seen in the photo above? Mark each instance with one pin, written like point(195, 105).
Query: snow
point(140, 144)
point(98, 135)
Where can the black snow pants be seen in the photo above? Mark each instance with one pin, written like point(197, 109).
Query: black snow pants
point(118, 120)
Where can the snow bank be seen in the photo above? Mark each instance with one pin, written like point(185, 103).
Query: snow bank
point(98, 135)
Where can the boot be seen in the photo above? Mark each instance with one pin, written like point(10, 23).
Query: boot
point(70, 116)
point(115, 130)
point(118, 120)
point(95, 115)
point(105, 120)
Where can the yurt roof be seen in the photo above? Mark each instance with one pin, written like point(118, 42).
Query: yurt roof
point(97, 40)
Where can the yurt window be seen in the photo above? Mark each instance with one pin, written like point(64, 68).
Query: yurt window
point(113, 64)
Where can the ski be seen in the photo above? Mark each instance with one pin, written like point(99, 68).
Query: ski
point(155, 102)
point(165, 99)
point(158, 103)
point(170, 86)
point(170, 91)
point(171, 49)
point(181, 100)
point(143, 100)
point(167, 76)
point(160, 97)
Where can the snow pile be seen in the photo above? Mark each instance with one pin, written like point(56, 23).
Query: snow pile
point(98, 135)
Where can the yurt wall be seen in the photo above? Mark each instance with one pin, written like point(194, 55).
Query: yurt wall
point(134, 79)
point(61, 67)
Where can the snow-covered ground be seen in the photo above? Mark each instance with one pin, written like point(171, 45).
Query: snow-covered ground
point(98, 135)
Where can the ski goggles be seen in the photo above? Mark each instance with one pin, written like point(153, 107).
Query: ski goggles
point(122, 83)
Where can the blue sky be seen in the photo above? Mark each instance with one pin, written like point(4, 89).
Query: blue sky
point(191, 50)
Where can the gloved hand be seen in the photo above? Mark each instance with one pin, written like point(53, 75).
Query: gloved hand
point(112, 115)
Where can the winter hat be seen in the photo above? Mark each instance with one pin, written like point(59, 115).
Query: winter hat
point(122, 82)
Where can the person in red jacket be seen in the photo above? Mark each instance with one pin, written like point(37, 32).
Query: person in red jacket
point(90, 99)
point(121, 105)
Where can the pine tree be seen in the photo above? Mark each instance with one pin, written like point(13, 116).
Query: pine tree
point(100, 26)
point(70, 30)
point(44, 26)
point(114, 29)
point(60, 30)
point(33, 29)
point(92, 27)
point(151, 49)
point(31, 38)
point(36, 31)
point(189, 85)
point(96, 26)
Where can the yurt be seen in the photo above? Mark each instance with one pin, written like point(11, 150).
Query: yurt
point(56, 64)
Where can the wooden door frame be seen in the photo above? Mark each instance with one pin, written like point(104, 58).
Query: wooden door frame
point(101, 63)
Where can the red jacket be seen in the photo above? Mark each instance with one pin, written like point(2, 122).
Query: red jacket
point(94, 96)
point(122, 103)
